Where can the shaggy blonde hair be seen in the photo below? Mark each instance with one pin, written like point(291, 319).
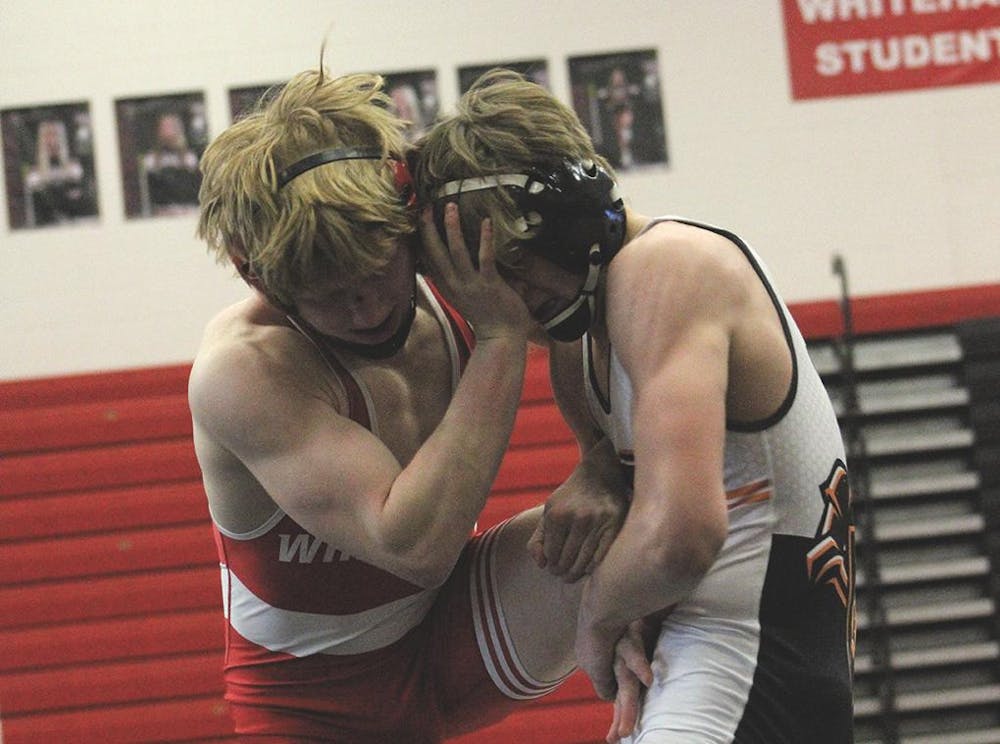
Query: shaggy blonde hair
point(502, 124)
point(341, 219)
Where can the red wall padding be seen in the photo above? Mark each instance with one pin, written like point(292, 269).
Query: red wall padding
point(110, 621)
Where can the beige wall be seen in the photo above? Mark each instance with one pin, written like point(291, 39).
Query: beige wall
point(905, 185)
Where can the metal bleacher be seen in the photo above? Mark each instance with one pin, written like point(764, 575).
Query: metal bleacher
point(927, 669)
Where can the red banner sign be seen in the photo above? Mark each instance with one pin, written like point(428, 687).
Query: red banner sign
point(846, 47)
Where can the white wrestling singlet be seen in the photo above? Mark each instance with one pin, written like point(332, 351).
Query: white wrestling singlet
point(762, 651)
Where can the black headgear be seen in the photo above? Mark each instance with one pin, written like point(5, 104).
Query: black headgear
point(578, 218)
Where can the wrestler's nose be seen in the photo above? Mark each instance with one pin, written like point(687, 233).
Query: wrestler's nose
point(366, 309)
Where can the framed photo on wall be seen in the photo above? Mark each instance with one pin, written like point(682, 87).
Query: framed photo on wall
point(535, 70)
point(243, 100)
point(415, 98)
point(618, 99)
point(161, 139)
point(48, 158)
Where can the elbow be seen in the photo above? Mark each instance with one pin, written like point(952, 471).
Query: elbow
point(428, 574)
point(712, 538)
point(424, 565)
point(685, 557)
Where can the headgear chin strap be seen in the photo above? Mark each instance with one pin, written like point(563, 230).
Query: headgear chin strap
point(574, 321)
point(388, 347)
point(381, 350)
point(578, 221)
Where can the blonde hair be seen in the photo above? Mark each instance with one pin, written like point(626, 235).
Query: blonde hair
point(502, 124)
point(342, 219)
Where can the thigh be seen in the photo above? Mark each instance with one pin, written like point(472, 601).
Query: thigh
point(539, 609)
point(503, 628)
point(702, 673)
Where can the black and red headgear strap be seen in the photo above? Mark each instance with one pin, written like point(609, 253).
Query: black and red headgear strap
point(401, 172)
point(401, 178)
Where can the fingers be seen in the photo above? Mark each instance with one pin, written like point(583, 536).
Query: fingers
point(595, 653)
point(604, 543)
point(452, 258)
point(602, 677)
point(487, 250)
point(448, 251)
point(428, 229)
point(433, 247)
point(627, 701)
point(562, 542)
point(630, 656)
point(536, 544)
point(582, 557)
point(568, 544)
point(613, 736)
point(632, 674)
point(453, 230)
point(604, 686)
point(574, 543)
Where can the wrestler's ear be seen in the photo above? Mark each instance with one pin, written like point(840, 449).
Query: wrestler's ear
point(245, 270)
point(402, 175)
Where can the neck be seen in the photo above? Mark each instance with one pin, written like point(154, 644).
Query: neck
point(635, 223)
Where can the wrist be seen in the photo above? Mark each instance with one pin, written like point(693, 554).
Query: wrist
point(501, 334)
point(590, 614)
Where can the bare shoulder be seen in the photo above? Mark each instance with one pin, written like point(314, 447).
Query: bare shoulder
point(250, 369)
point(678, 251)
point(675, 270)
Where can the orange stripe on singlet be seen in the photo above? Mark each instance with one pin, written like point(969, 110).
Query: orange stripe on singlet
point(750, 493)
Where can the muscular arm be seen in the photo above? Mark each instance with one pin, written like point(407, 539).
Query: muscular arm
point(671, 330)
point(262, 399)
point(582, 516)
point(341, 482)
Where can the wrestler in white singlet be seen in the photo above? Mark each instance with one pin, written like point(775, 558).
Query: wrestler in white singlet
point(762, 650)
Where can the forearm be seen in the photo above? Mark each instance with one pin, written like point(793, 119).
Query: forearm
point(677, 522)
point(601, 466)
point(435, 500)
point(648, 567)
point(566, 375)
point(626, 587)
